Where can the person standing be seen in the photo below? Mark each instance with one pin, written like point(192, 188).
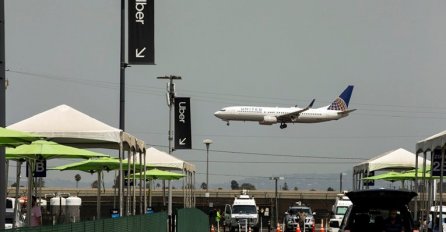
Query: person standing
point(394, 222)
point(217, 218)
point(36, 213)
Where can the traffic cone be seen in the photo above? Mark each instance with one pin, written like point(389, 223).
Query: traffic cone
point(278, 229)
point(298, 228)
point(322, 226)
point(212, 228)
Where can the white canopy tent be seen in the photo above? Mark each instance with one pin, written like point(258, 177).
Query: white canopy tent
point(427, 147)
point(155, 157)
point(395, 160)
point(66, 125)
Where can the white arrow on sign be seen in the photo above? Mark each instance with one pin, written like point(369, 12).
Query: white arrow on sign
point(139, 54)
point(182, 141)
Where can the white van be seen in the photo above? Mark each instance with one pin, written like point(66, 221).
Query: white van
point(338, 210)
point(241, 214)
point(9, 214)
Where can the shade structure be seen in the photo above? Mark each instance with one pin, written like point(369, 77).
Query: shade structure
point(66, 125)
point(15, 138)
point(159, 174)
point(41, 149)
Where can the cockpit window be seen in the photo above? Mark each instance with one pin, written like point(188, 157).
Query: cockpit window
point(222, 110)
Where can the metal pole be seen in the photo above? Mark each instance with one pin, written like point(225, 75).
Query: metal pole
point(441, 189)
point(207, 142)
point(98, 197)
point(3, 112)
point(170, 101)
point(207, 167)
point(122, 105)
point(277, 211)
point(340, 183)
point(122, 72)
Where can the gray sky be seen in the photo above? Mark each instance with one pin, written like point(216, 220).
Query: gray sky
point(252, 52)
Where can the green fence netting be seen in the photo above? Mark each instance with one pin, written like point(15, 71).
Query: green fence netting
point(192, 220)
point(149, 223)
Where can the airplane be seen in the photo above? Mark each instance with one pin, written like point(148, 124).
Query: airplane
point(270, 115)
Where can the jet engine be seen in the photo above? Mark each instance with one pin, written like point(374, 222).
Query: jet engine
point(268, 120)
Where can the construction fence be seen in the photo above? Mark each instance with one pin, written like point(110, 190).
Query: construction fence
point(186, 220)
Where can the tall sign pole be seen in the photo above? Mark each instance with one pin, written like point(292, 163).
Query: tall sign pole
point(2, 114)
point(122, 108)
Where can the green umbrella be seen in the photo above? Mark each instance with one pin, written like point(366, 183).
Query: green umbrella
point(383, 176)
point(96, 165)
point(159, 174)
point(42, 149)
point(14, 138)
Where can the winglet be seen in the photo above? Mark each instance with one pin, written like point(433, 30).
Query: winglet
point(311, 104)
point(341, 103)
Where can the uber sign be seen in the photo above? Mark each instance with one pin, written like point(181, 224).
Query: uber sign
point(141, 21)
point(183, 135)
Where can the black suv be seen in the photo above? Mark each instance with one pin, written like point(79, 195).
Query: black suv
point(378, 210)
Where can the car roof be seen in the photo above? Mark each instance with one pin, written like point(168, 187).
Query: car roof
point(381, 197)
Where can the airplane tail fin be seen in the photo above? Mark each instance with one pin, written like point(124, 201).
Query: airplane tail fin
point(341, 103)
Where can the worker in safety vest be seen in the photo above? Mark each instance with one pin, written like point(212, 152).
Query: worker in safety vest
point(217, 219)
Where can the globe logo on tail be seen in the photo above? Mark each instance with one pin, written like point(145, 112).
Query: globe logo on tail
point(338, 104)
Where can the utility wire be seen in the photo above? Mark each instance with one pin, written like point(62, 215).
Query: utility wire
point(275, 155)
point(218, 96)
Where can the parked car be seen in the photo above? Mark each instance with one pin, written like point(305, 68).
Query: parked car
point(435, 210)
point(292, 217)
point(372, 209)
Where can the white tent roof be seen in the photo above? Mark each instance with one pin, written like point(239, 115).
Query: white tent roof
point(66, 125)
point(432, 142)
point(159, 158)
point(399, 159)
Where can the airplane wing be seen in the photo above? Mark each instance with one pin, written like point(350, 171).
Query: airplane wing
point(294, 114)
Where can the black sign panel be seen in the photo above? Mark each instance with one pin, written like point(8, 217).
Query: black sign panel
point(369, 182)
point(183, 135)
point(436, 163)
point(141, 21)
point(39, 168)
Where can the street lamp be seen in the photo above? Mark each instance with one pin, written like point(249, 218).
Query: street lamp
point(275, 205)
point(340, 180)
point(207, 142)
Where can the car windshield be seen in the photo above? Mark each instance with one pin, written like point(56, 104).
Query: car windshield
point(340, 210)
point(244, 209)
point(297, 210)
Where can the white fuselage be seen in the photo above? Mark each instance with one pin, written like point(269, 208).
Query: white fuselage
point(254, 113)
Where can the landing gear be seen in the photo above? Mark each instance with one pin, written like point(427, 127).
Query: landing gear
point(283, 125)
point(227, 123)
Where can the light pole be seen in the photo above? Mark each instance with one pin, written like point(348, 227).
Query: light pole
point(276, 211)
point(340, 180)
point(170, 104)
point(207, 142)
